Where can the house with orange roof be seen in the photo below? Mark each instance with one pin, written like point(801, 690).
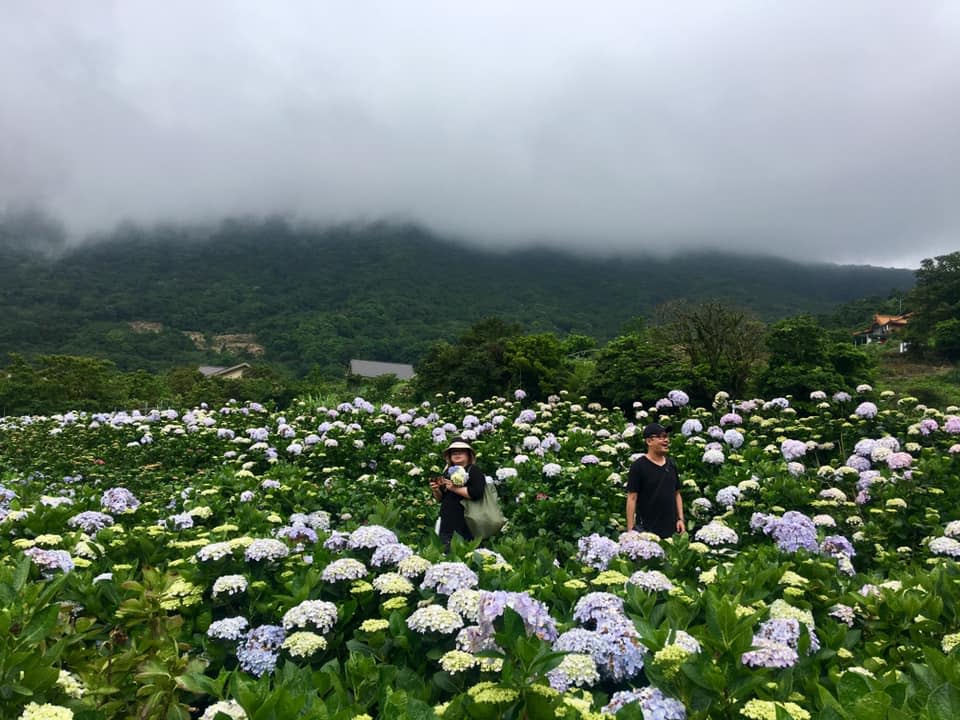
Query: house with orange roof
point(882, 328)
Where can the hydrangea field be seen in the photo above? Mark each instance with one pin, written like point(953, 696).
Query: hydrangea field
point(235, 562)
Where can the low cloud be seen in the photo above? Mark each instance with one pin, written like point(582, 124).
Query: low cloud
point(811, 131)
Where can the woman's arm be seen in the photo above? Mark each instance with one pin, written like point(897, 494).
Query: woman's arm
point(474, 487)
point(476, 483)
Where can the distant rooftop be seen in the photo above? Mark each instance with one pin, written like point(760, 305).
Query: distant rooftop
point(220, 370)
point(373, 368)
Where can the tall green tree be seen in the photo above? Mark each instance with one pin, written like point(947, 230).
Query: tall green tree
point(538, 363)
point(476, 364)
point(637, 367)
point(935, 300)
point(724, 344)
point(803, 358)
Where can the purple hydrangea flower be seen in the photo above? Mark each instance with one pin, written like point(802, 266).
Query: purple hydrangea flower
point(866, 410)
point(50, 560)
point(865, 447)
point(728, 496)
point(733, 438)
point(770, 655)
point(654, 704)
point(794, 531)
point(232, 628)
point(371, 536)
point(448, 577)
point(119, 500)
point(636, 547)
point(298, 533)
point(337, 541)
point(678, 397)
point(713, 456)
point(858, 463)
point(526, 417)
point(837, 545)
point(593, 605)
point(899, 460)
point(259, 650)
point(90, 521)
point(793, 449)
point(390, 554)
point(597, 551)
point(535, 614)
point(928, 425)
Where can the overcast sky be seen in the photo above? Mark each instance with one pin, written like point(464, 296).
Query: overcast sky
point(812, 130)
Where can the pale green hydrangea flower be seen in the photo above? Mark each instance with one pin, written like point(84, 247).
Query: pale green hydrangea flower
point(374, 625)
point(395, 603)
point(949, 642)
point(457, 661)
point(767, 710)
point(491, 693)
point(71, 685)
point(47, 711)
point(304, 644)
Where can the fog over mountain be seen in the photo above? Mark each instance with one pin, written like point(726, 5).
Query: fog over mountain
point(815, 131)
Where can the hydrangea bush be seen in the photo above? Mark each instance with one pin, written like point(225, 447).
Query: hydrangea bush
point(240, 562)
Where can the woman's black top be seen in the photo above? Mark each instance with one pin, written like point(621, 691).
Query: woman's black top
point(451, 508)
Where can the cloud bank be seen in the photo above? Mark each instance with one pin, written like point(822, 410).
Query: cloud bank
point(813, 131)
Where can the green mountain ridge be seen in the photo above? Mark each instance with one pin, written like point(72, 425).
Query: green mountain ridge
point(319, 296)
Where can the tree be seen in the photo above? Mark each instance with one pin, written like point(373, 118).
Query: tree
point(724, 344)
point(475, 365)
point(538, 364)
point(946, 338)
point(803, 358)
point(637, 367)
point(934, 300)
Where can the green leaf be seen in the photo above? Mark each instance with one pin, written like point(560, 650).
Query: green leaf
point(443, 681)
point(944, 703)
point(198, 683)
point(851, 688)
point(40, 626)
point(419, 710)
point(20, 575)
point(872, 706)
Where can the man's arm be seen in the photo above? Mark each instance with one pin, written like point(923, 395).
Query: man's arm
point(631, 510)
point(681, 526)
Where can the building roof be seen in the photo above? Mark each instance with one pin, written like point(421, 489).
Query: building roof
point(373, 368)
point(891, 319)
point(216, 370)
point(894, 321)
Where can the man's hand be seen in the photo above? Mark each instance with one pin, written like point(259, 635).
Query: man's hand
point(681, 528)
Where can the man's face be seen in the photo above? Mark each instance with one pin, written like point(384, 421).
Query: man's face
point(659, 442)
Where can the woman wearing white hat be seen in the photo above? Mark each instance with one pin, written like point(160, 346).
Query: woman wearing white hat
point(461, 480)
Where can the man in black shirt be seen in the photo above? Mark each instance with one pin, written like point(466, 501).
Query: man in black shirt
point(653, 487)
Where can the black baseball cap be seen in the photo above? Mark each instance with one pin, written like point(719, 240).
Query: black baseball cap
point(655, 429)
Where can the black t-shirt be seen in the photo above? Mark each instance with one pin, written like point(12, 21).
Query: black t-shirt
point(656, 487)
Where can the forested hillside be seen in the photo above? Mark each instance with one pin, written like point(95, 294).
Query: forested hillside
point(317, 297)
